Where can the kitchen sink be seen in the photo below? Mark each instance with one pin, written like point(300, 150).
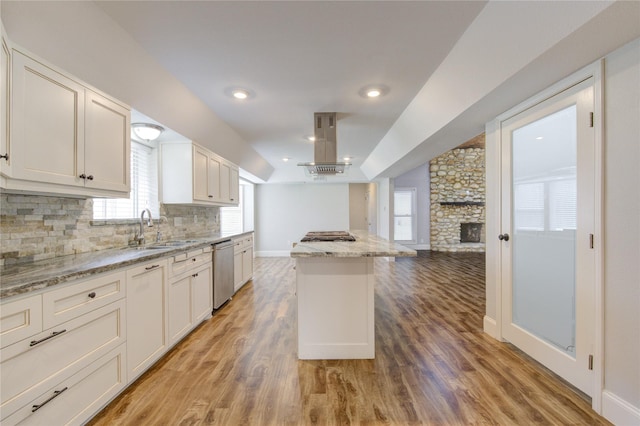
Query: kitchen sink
point(161, 246)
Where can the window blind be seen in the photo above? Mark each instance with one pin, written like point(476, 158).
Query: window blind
point(144, 188)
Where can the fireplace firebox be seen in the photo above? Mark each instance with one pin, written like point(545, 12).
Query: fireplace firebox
point(470, 232)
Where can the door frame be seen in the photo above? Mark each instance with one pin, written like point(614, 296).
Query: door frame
point(494, 154)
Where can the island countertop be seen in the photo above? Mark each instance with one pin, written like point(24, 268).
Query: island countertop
point(365, 245)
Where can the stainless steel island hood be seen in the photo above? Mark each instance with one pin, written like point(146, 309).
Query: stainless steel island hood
point(325, 159)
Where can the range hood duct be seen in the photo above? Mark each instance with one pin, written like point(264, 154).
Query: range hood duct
point(325, 148)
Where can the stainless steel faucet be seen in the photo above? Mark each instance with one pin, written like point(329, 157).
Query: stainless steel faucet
point(140, 234)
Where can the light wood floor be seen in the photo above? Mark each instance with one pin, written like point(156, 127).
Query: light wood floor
point(433, 363)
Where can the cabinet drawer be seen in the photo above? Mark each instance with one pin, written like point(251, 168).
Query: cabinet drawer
point(62, 305)
point(238, 245)
point(20, 319)
point(33, 365)
point(79, 397)
point(194, 259)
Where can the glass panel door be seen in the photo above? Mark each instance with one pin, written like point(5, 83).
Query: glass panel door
point(544, 228)
point(547, 215)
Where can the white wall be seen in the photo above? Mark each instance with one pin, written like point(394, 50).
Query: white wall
point(385, 208)
point(286, 212)
point(622, 229)
point(419, 178)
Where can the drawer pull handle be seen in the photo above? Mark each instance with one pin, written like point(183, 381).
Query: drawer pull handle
point(54, 334)
point(90, 177)
point(148, 268)
point(6, 156)
point(194, 275)
point(51, 398)
point(92, 294)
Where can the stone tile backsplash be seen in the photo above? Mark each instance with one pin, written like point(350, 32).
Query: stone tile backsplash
point(36, 227)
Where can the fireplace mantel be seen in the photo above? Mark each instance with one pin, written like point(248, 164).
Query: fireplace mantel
point(461, 203)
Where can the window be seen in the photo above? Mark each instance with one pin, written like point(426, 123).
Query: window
point(549, 205)
point(239, 219)
point(404, 211)
point(144, 188)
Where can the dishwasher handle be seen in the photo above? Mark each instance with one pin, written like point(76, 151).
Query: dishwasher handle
point(221, 245)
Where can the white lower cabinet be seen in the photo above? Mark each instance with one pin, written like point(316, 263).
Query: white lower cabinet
point(76, 399)
point(33, 366)
point(66, 352)
point(242, 260)
point(190, 293)
point(147, 303)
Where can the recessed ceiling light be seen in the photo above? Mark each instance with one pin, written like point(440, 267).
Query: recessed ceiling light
point(239, 93)
point(311, 138)
point(373, 91)
point(539, 138)
point(285, 159)
point(347, 158)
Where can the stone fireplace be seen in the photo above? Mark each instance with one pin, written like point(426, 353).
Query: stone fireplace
point(458, 198)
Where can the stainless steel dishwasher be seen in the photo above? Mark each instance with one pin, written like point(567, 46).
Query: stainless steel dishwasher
point(222, 272)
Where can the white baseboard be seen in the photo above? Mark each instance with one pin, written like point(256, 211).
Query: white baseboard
point(490, 327)
point(273, 253)
point(618, 411)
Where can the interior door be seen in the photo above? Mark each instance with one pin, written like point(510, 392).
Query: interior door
point(547, 233)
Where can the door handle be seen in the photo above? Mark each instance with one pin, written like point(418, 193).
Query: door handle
point(503, 237)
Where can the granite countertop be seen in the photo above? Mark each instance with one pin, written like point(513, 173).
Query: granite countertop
point(32, 276)
point(365, 245)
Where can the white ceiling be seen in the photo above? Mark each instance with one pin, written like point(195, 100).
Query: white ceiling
point(299, 58)
point(450, 66)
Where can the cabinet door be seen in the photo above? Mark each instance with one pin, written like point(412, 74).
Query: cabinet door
point(247, 264)
point(147, 333)
point(225, 176)
point(202, 294)
point(200, 175)
point(5, 64)
point(214, 179)
point(234, 186)
point(237, 271)
point(179, 308)
point(47, 122)
point(107, 144)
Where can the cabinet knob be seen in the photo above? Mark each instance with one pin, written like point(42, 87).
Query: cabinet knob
point(90, 177)
point(210, 196)
point(194, 259)
point(82, 176)
point(92, 295)
point(503, 237)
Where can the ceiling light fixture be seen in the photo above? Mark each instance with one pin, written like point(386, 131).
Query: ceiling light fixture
point(311, 138)
point(147, 131)
point(239, 93)
point(373, 91)
point(285, 159)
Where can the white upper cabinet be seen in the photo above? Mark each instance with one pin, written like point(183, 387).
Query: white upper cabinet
point(65, 138)
point(5, 68)
point(191, 174)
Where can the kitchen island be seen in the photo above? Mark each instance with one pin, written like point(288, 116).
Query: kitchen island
point(335, 290)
